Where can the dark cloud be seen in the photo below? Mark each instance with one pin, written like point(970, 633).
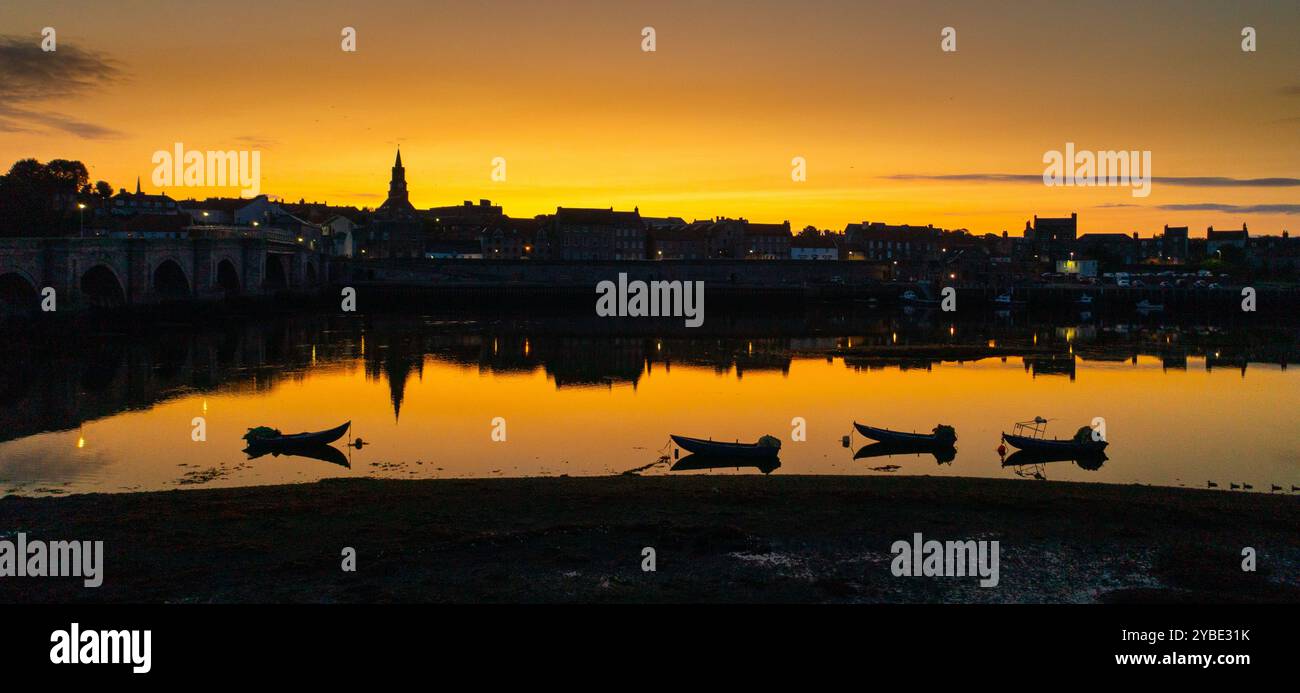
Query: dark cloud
point(30, 77)
point(1186, 181)
point(1235, 209)
point(1291, 90)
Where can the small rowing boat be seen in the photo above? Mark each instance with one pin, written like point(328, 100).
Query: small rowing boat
point(767, 446)
point(264, 436)
point(942, 435)
point(1055, 446)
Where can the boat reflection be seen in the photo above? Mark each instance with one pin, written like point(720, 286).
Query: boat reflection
point(324, 453)
point(1089, 461)
point(688, 463)
point(943, 454)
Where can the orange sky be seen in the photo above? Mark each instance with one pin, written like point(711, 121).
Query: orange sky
point(706, 125)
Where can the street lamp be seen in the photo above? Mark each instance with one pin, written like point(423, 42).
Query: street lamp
point(81, 219)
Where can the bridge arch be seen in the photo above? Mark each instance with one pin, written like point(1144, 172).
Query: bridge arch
point(170, 280)
point(101, 287)
point(18, 295)
point(276, 275)
point(226, 277)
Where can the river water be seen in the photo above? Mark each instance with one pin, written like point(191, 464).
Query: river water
point(108, 408)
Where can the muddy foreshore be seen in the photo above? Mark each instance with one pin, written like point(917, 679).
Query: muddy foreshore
point(716, 539)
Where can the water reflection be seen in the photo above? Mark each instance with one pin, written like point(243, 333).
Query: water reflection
point(319, 451)
point(943, 454)
point(1033, 464)
point(828, 366)
point(696, 463)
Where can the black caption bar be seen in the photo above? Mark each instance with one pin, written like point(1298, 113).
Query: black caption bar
point(210, 642)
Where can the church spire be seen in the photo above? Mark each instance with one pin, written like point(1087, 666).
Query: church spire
point(398, 203)
point(137, 185)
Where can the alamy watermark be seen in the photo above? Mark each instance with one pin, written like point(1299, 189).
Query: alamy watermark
point(76, 646)
point(216, 169)
point(658, 299)
point(920, 558)
point(38, 558)
point(1098, 169)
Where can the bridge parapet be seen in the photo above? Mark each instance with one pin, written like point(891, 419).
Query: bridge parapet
point(87, 272)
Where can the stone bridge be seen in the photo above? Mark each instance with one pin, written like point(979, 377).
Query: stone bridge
point(116, 272)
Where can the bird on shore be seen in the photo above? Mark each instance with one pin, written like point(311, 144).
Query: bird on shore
point(1294, 488)
point(1233, 486)
point(1211, 484)
point(1275, 488)
point(1248, 487)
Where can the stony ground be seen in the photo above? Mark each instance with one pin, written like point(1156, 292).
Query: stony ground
point(716, 539)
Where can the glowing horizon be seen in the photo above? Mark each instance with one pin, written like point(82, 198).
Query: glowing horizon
point(892, 128)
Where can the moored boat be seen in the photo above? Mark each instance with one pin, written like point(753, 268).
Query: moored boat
point(1054, 445)
point(1031, 436)
point(264, 436)
point(942, 435)
point(767, 446)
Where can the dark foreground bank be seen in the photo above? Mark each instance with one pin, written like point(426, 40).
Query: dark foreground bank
point(716, 539)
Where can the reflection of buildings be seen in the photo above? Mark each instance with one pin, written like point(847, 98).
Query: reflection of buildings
point(395, 360)
point(724, 354)
point(1050, 364)
point(53, 383)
